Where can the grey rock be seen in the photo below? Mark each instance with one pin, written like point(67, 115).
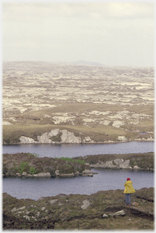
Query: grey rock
point(136, 168)
point(26, 217)
point(42, 174)
point(44, 138)
point(53, 201)
point(105, 216)
point(118, 161)
point(69, 137)
point(86, 171)
point(24, 174)
point(21, 208)
point(85, 205)
point(122, 138)
point(125, 164)
point(25, 140)
point(118, 213)
point(109, 164)
point(14, 209)
point(38, 214)
point(57, 172)
point(53, 132)
point(67, 175)
point(34, 218)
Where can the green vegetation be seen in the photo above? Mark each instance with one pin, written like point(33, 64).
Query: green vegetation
point(32, 170)
point(57, 138)
point(23, 167)
point(142, 160)
point(72, 160)
point(32, 164)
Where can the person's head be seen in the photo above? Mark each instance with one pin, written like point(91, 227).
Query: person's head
point(128, 179)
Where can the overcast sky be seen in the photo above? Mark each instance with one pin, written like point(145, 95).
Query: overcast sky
point(113, 33)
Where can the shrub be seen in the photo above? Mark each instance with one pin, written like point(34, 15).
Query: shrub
point(23, 167)
point(32, 170)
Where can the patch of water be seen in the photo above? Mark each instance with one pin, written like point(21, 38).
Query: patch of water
point(106, 179)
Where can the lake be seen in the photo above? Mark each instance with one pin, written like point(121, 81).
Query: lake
point(75, 150)
point(106, 179)
point(34, 188)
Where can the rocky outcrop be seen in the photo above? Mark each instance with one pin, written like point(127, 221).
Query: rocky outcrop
point(113, 164)
point(63, 136)
point(122, 138)
point(88, 173)
point(57, 136)
point(69, 137)
point(26, 140)
point(118, 213)
point(85, 205)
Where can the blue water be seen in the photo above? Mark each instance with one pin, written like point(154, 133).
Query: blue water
point(75, 150)
point(34, 188)
point(106, 179)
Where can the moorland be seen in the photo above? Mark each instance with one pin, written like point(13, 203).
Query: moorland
point(96, 104)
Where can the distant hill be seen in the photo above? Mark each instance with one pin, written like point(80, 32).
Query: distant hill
point(36, 63)
point(86, 63)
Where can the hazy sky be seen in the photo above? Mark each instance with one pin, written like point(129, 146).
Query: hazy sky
point(112, 33)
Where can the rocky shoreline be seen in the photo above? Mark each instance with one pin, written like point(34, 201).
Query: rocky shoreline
point(30, 165)
point(104, 210)
point(57, 136)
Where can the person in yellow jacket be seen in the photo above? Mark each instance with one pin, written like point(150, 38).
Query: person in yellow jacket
point(128, 190)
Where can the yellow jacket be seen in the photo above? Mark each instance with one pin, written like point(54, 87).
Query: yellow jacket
point(129, 187)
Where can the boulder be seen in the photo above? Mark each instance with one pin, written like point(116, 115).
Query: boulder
point(26, 217)
point(125, 164)
point(42, 174)
point(25, 140)
point(69, 137)
point(87, 172)
point(105, 216)
point(67, 175)
point(85, 205)
point(53, 132)
point(117, 124)
point(118, 161)
point(88, 140)
point(122, 138)
point(109, 164)
point(118, 213)
point(24, 174)
point(57, 172)
point(44, 138)
point(136, 167)
point(53, 201)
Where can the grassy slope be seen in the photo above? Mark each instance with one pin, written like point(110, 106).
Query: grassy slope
point(34, 123)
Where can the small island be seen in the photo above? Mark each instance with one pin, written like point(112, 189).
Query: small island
point(31, 165)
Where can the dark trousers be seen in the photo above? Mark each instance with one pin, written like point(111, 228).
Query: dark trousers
point(128, 198)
